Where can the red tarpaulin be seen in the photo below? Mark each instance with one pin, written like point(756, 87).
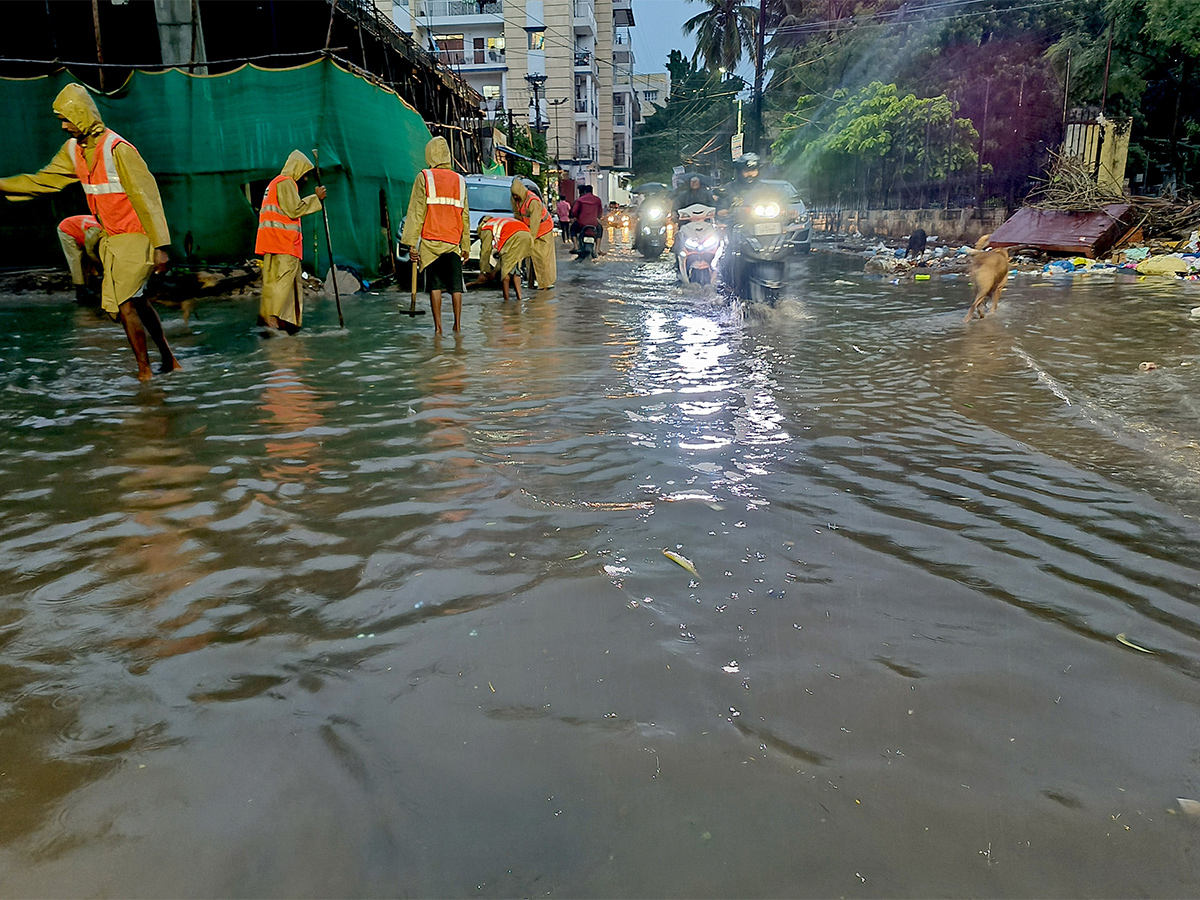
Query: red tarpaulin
point(1081, 233)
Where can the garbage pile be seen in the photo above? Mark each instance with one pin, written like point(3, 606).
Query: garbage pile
point(1176, 259)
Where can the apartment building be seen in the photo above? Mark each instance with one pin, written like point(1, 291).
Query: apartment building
point(653, 89)
point(573, 57)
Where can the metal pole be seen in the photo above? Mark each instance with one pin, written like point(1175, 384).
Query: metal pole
point(99, 48)
point(1107, 63)
point(758, 74)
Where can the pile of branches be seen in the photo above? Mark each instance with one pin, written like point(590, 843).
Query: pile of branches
point(1072, 187)
point(1166, 217)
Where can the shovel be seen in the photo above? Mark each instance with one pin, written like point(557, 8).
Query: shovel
point(412, 306)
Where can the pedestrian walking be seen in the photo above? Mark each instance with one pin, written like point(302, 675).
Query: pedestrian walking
point(438, 227)
point(280, 242)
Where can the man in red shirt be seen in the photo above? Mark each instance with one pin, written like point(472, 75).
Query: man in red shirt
point(588, 210)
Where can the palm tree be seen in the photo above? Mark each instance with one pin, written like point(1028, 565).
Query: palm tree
point(723, 32)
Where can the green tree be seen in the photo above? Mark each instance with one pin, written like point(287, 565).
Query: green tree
point(723, 32)
point(693, 129)
point(873, 142)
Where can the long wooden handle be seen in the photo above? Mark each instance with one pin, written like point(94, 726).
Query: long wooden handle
point(329, 245)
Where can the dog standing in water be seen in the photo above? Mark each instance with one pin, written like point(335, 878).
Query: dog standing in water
point(989, 272)
point(916, 243)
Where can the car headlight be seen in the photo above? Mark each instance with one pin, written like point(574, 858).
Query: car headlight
point(767, 210)
point(654, 212)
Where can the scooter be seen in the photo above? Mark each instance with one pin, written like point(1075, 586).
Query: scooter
point(585, 245)
point(756, 268)
point(697, 243)
point(651, 237)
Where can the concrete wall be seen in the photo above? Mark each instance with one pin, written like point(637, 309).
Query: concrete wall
point(958, 226)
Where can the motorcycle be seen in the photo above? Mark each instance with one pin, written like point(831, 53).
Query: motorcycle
point(697, 243)
point(758, 249)
point(651, 238)
point(585, 247)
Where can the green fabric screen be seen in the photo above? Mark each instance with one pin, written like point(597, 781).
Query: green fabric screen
point(206, 137)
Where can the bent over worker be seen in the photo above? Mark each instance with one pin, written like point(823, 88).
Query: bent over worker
point(80, 240)
point(281, 243)
point(528, 207)
point(124, 198)
point(504, 244)
point(439, 226)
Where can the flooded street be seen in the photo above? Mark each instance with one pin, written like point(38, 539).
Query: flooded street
point(373, 613)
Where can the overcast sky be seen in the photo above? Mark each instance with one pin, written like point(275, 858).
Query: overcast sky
point(659, 30)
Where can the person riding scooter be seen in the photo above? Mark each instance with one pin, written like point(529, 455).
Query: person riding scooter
point(588, 210)
point(695, 193)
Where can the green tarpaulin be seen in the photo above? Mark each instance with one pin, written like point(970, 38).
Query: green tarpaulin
point(212, 140)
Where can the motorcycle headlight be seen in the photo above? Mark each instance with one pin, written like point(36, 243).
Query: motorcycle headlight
point(767, 210)
point(646, 230)
point(691, 244)
point(654, 212)
point(710, 243)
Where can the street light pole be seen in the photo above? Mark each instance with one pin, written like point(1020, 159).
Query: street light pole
point(536, 82)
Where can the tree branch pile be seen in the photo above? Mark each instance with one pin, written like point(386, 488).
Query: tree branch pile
point(1072, 187)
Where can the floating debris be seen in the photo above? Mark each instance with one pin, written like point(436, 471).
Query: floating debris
point(681, 560)
point(1190, 807)
point(1128, 643)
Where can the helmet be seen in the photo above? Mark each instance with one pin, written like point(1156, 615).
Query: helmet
point(744, 165)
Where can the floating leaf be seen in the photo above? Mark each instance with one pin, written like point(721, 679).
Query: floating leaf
point(1128, 643)
point(681, 561)
point(580, 555)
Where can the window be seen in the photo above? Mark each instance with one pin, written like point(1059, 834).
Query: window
point(650, 96)
point(537, 39)
point(450, 49)
point(491, 92)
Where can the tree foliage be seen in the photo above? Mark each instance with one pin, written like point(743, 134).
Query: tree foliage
point(873, 142)
point(694, 128)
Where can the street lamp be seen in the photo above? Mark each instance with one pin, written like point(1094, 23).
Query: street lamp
point(537, 81)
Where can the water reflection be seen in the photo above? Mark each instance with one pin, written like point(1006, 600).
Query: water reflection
point(361, 599)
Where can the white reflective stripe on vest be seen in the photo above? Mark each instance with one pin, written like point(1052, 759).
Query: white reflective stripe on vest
point(431, 195)
point(113, 183)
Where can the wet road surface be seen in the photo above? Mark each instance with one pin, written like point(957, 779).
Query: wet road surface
point(373, 613)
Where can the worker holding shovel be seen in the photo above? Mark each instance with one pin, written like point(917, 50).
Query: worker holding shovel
point(281, 244)
point(438, 227)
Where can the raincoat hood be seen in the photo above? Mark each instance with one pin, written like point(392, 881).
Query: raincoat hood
point(75, 104)
point(437, 153)
point(297, 166)
point(519, 190)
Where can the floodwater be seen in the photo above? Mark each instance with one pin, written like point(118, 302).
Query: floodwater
point(370, 613)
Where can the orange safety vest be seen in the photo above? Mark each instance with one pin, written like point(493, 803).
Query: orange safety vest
point(502, 230)
point(77, 226)
point(547, 224)
point(277, 231)
point(102, 186)
point(445, 200)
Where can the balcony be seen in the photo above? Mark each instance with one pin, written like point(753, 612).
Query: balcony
point(619, 158)
point(437, 8)
point(585, 16)
point(488, 58)
point(585, 152)
point(451, 58)
point(583, 61)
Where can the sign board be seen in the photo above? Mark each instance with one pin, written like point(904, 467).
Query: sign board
point(735, 145)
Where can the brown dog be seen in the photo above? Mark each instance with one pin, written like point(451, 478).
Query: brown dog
point(989, 272)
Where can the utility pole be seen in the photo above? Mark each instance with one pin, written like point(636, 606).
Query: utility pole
point(758, 74)
point(557, 150)
point(536, 82)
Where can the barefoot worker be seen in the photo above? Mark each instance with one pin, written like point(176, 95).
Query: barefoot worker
point(528, 207)
point(123, 196)
point(504, 244)
point(280, 242)
point(439, 227)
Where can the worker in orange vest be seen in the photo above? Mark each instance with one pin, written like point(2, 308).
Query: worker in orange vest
point(528, 207)
point(123, 196)
point(280, 242)
point(438, 228)
point(80, 240)
point(504, 244)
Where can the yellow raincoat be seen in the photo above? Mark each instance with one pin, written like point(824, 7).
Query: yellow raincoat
point(437, 156)
point(128, 259)
point(282, 286)
point(545, 265)
point(515, 251)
